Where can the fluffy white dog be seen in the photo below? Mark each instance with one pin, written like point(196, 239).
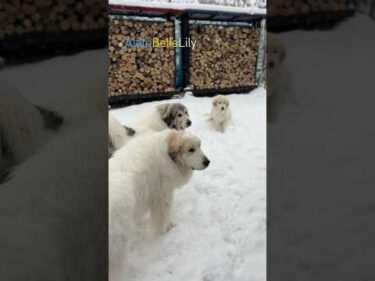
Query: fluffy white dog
point(220, 113)
point(118, 135)
point(164, 116)
point(142, 177)
point(24, 127)
point(53, 214)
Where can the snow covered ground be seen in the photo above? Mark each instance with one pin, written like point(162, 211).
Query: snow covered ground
point(221, 215)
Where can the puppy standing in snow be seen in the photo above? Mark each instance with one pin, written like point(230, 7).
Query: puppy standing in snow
point(220, 113)
point(142, 177)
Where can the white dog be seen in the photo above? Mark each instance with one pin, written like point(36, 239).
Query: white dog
point(220, 113)
point(170, 115)
point(24, 127)
point(118, 135)
point(142, 177)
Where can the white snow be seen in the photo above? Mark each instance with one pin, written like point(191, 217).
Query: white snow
point(220, 231)
point(189, 5)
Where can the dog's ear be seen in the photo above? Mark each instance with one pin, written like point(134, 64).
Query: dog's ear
point(175, 142)
point(129, 131)
point(165, 113)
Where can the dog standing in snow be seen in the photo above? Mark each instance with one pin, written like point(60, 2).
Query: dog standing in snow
point(142, 177)
point(164, 116)
point(220, 113)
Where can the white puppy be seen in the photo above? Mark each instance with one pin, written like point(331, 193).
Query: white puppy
point(220, 113)
point(142, 177)
point(118, 135)
point(164, 116)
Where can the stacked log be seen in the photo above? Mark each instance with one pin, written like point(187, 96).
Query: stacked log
point(136, 70)
point(292, 7)
point(224, 57)
point(23, 17)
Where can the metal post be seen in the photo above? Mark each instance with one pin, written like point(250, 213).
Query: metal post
point(261, 53)
point(185, 51)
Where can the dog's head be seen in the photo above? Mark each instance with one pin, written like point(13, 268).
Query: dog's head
point(174, 115)
point(275, 51)
point(220, 103)
point(185, 150)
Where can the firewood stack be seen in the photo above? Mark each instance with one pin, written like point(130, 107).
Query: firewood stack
point(24, 17)
point(140, 70)
point(224, 57)
point(290, 7)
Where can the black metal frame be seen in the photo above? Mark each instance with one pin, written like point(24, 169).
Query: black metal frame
point(126, 100)
point(223, 16)
point(139, 13)
point(223, 91)
point(186, 55)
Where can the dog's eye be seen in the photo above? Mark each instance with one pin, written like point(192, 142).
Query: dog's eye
point(191, 150)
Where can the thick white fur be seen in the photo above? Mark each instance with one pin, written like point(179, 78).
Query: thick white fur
point(153, 121)
point(21, 127)
point(53, 215)
point(220, 113)
point(117, 134)
point(142, 177)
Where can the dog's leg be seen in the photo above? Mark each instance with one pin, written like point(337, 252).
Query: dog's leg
point(160, 211)
point(216, 125)
point(118, 252)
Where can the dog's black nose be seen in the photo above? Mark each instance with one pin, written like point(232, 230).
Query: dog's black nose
point(222, 108)
point(206, 162)
point(271, 64)
point(188, 123)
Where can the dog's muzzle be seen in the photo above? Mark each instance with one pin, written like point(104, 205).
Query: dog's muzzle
point(188, 123)
point(206, 162)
